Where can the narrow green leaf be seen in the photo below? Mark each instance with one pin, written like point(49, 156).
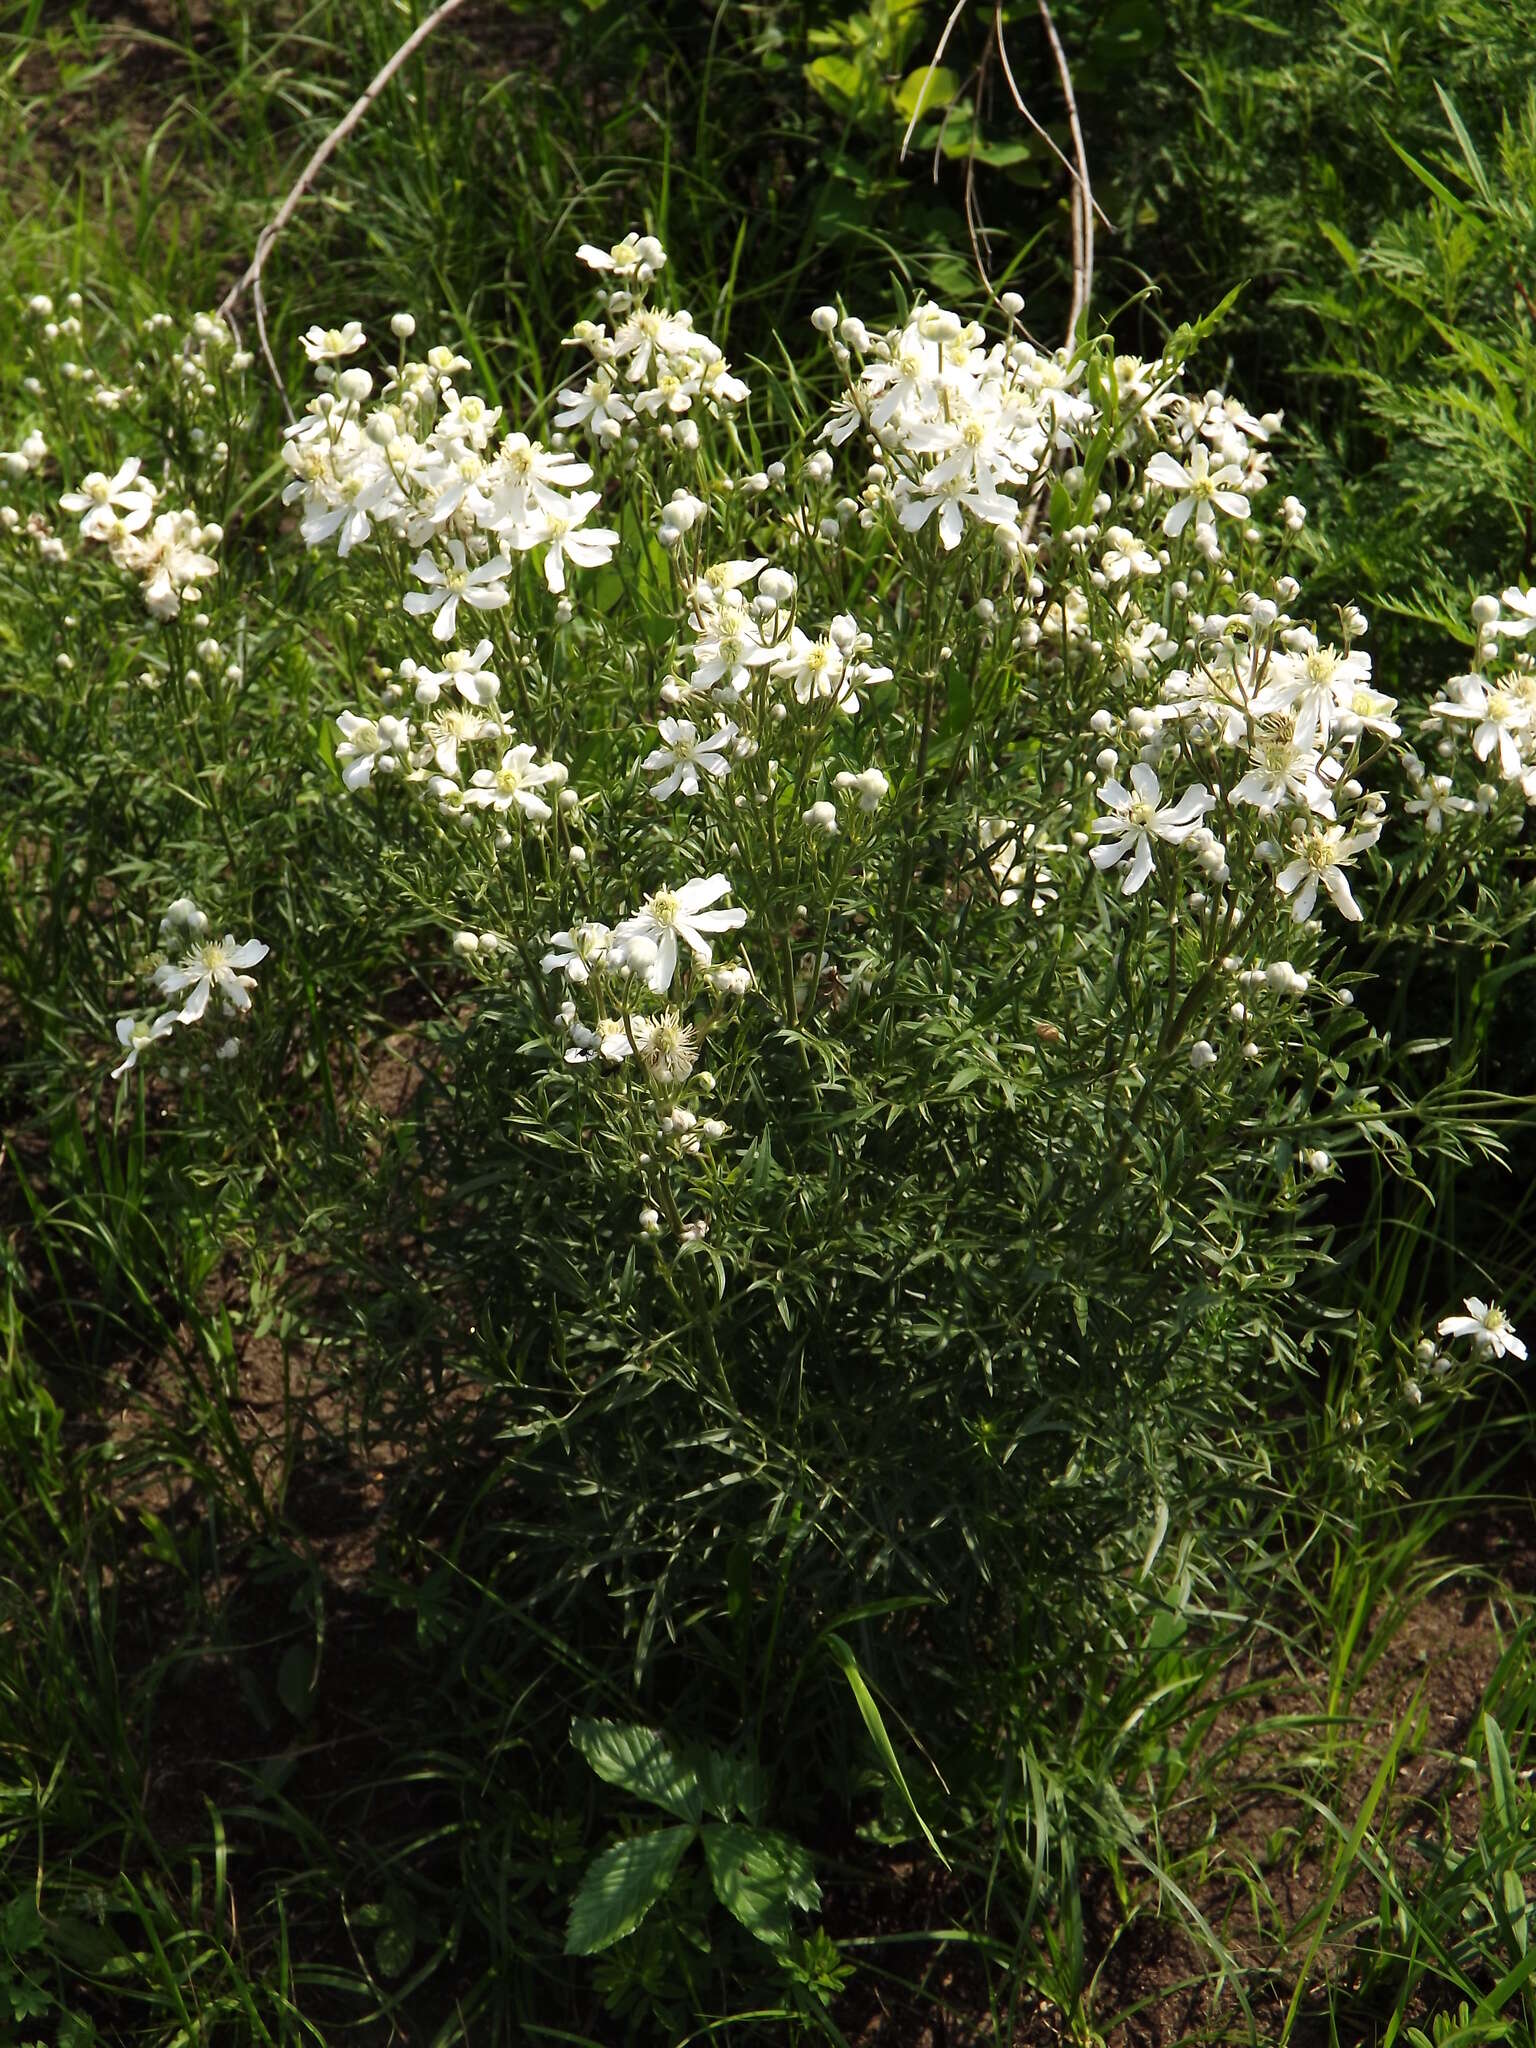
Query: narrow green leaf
point(1501, 1776)
point(864, 1699)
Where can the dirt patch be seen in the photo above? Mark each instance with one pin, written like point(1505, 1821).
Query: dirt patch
point(1252, 1855)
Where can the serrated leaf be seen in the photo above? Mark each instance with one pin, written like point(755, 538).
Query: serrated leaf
point(638, 1760)
point(620, 1888)
point(731, 1785)
point(758, 1876)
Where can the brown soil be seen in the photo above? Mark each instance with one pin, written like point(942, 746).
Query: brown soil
point(1149, 1982)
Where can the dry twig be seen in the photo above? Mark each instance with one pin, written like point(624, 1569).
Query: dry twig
point(250, 280)
point(1082, 191)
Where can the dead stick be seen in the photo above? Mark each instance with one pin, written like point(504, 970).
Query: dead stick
point(1018, 100)
point(251, 280)
point(1082, 195)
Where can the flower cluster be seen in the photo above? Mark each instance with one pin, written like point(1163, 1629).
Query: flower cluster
point(1484, 725)
point(428, 465)
point(1282, 726)
point(462, 749)
point(653, 367)
point(194, 972)
point(167, 551)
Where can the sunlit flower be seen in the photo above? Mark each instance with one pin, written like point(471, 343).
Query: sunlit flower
point(517, 784)
point(1321, 853)
point(1486, 1324)
point(333, 344)
point(1136, 816)
point(452, 582)
point(683, 753)
point(209, 966)
point(138, 1034)
point(684, 913)
point(1200, 490)
point(367, 744)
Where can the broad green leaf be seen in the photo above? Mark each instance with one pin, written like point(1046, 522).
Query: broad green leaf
point(638, 1760)
point(731, 1785)
point(758, 1876)
point(620, 1888)
point(836, 79)
point(927, 90)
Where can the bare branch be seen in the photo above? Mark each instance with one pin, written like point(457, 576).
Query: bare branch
point(1018, 100)
point(933, 64)
point(250, 281)
point(1082, 193)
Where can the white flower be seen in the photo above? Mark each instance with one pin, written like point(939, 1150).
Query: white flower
point(576, 952)
point(516, 784)
point(207, 965)
point(668, 1048)
point(1135, 818)
point(183, 919)
point(1314, 683)
point(482, 587)
point(1434, 802)
point(683, 913)
point(1321, 854)
point(588, 547)
point(626, 258)
point(109, 504)
point(1522, 603)
point(453, 727)
point(869, 788)
point(468, 674)
point(598, 406)
point(1200, 489)
point(1126, 555)
point(1487, 1326)
point(366, 745)
point(727, 649)
point(683, 754)
point(138, 1034)
point(357, 493)
point(1282, 773)
point(1496, 716)
point(331, 344)
point(946, 497)
point(532, 481)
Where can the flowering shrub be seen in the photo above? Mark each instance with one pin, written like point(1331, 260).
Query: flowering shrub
point(916, 873)
point(907, 878)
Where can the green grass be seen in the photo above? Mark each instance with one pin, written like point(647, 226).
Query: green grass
point(293, 1633)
